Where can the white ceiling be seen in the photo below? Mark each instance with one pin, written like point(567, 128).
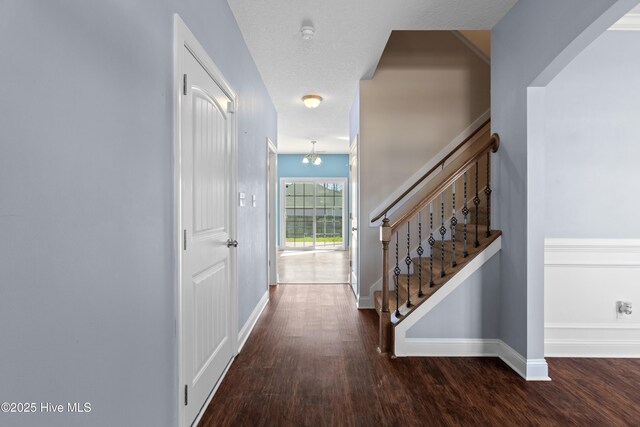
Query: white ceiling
point(350, 37)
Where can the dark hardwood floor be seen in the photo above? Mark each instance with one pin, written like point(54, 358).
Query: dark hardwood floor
point(311, 361)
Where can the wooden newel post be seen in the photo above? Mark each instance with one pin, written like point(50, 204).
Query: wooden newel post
point(385, 316)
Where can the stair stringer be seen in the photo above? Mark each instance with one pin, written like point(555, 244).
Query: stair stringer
point(400, 330)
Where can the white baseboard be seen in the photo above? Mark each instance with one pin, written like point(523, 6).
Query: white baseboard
point(450, 347)
point(251, 321)
point(529, 369)
point(601, 348)
point(592, 340)
point(366, 302)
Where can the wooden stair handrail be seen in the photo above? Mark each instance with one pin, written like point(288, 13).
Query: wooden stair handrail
point(432, 170)
point(493, 144)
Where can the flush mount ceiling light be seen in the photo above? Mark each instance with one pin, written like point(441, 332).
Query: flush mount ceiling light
point(312, 101)
point(312, 157)
point(307, 32)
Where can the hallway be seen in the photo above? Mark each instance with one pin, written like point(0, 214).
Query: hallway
point(311, 361)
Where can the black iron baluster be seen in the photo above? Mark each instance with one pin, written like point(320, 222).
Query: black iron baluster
point(420, 251)
point(465, 212)
point(443, 231)
point(454, 222)
point(487, 192)
point(476, 201)
point(432, 242)
point(407, 261)
point(396, 272)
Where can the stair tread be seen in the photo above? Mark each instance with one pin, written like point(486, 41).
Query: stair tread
point(437, 280)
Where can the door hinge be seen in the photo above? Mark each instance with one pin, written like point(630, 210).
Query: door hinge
point(186, 395)
point(184, 84)
point(350, 263)
point(184, 239)
point(230, 107)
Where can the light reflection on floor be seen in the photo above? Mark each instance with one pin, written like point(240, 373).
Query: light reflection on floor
point(313, 266)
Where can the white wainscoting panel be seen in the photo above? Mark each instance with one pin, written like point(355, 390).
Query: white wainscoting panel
point(583, 280)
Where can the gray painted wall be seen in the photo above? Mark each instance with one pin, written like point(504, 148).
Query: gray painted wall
point(470, 311)
point(87, 295)
point(593, 141)
point(534, 41)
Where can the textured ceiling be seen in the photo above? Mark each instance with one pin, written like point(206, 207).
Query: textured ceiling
point(350, 37)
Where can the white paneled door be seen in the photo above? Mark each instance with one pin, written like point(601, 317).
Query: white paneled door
point(206, 184)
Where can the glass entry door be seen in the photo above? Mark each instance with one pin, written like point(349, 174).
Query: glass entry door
point(313, 217)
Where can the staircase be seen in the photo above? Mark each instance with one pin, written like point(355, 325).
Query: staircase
point(438, 231)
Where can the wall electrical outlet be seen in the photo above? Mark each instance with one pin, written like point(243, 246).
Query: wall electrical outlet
point(624, 309)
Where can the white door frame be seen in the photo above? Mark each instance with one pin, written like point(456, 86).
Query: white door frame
point(354, 149)
point(345, 208)
point(272, 255)
point(183, 38)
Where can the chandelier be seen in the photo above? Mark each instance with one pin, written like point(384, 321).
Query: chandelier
point(312, 157)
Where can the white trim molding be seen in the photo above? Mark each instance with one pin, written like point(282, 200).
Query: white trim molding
point(272, 212)
point(584, 278)
point(283, 210)
point(592, 340)
point(365, 301)
point(529, 369)
point(368, 301)
point(450, 347)
point(610, 253)
point(475, 49)
point(246, 330)
point(629, 22)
